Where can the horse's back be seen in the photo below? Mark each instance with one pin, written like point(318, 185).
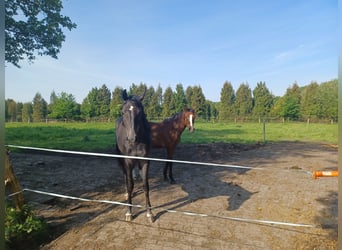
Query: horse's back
point(164, 135)
point(159, 137)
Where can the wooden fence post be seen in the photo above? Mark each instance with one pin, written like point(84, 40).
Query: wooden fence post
point(12, 183)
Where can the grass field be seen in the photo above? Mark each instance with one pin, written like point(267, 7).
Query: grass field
point(101, 136)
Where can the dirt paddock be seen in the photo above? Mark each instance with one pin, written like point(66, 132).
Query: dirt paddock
point(283, 191)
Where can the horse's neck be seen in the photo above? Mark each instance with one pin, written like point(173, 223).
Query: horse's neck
point(178, 122)
point(145, 127)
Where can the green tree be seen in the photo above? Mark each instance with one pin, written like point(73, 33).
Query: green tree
point(243, 101)
point(328, 100)
point(157, 101)
point(34, 27)
point(309, 106)
point(198, 102)
point(96, 104)
point(168, 103)
point(26, 115)
point(11, 107)
point(39, 108)
point(137, 89)
point(179, 97)
point(214, 110)
point(116, 102)
point(140, 90)
point(148, 106)
point(188, 95)
point(277, 108)
point(208, 110)
point(133, 89)
point(53, 98)
point(227, 100)
point(153, 110)
point(263, 100)
point(103, 101)
point(291, 106)
point(19, 111)
point(65, 107)
point(86, 108)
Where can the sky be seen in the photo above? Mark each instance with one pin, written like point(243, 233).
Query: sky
point(202, 43)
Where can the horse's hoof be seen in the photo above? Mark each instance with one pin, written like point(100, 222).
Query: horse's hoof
point(128, 217)
point(137, 178)
point(150, 218)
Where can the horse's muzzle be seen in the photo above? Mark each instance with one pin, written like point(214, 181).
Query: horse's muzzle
point(191, 129)
point(131, 140)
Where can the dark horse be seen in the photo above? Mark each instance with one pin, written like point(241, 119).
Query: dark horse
point(167, 134)
point(133, 139)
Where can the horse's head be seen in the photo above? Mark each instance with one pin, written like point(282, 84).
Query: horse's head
point(189, 119)
point(133, 116)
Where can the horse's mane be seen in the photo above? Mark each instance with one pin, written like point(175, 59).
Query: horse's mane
point(176, 116)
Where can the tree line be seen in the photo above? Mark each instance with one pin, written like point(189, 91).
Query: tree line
point(311, 103)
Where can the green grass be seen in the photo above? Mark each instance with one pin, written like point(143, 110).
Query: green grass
point(253, 132)
point(101, 136)
point(72, 136)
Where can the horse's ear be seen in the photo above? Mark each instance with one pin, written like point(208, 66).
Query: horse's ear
point(140, 98)
point(124, 95)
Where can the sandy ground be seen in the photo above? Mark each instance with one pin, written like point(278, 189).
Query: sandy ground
point(282, 191)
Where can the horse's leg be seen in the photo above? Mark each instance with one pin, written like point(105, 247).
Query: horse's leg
point(129, 187)
point(122, 164)
point(168, 176)
point(136, 174)
point(166, 167)
point(172, 181)
point(144, 165)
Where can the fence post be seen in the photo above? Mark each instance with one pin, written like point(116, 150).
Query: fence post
point(264, 130)
point(12, 182)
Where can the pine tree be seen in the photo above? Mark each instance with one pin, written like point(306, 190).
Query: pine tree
point(89, 105)
point(198, 102)
point(158, 102)
point(263, 100)
point(188, 95)
point(26, 115)
point(243, 101)
point(168, 103)
point(116, 102)
point(179, 97)
point(153, 110)
point(11, 108)
point(19, 111)
point(226, 109)
point(39, 108)
point(103, 101)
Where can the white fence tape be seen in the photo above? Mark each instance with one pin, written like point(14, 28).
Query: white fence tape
point(263, 222)
point(132, 157)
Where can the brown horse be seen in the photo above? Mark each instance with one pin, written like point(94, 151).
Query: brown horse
point(167, 133)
